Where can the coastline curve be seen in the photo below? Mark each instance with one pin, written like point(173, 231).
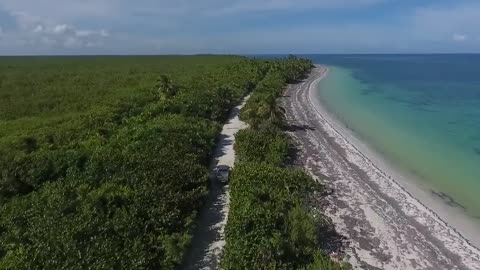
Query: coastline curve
point(350, 169)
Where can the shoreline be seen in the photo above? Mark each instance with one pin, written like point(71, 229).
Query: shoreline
point(352, 163)
point(467, 230)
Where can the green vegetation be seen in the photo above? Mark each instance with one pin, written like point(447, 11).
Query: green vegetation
point(103, 160)
point(265, 146)
point(269, 224)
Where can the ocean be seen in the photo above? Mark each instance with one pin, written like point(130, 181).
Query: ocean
point(420, 112)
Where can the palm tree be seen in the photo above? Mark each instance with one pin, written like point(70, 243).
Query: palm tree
point(275, 114)
point(166, 87)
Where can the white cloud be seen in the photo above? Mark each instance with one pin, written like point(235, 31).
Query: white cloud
point(48, 42)
point(191, 26)
point(84, 33)
point(33, 33)
point(71, 11)
point(58, 23)
point(38, 29)
point(89, 33)
point(62, 29)
point(71, 42)
point(94, 8)
point(235, 6)
point(439, 23)
point(25, 21)
point(104, 33)
point(459, 37)
point(62, 10)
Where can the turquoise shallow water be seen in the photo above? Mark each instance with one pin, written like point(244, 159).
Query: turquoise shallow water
point(422, 112)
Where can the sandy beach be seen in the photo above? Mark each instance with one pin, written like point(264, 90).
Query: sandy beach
point(388, 223)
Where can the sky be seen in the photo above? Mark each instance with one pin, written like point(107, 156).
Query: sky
point(46, 27)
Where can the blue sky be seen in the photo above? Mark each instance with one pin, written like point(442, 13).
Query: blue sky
point(238, 26)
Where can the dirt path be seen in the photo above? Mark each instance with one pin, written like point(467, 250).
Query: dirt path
point(385, 226)
point(209, 237)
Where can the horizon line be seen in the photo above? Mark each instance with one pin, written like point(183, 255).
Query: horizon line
point(233, 54)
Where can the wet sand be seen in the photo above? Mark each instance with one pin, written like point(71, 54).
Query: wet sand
point(386, 225)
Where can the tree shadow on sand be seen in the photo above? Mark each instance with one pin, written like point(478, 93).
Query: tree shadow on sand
point(296, 128)
point(201, 255)
point(329, 240)
point(223, 141)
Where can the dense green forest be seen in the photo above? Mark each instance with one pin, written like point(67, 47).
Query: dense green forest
point(104, 161)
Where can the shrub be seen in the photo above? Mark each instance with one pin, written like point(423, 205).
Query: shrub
point(269, 146)
point(268, 226)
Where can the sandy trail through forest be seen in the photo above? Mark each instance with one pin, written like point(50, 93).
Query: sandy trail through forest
point(209, 237)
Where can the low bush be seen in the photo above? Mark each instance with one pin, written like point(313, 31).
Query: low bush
point(269, 146)
point(268, 228)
